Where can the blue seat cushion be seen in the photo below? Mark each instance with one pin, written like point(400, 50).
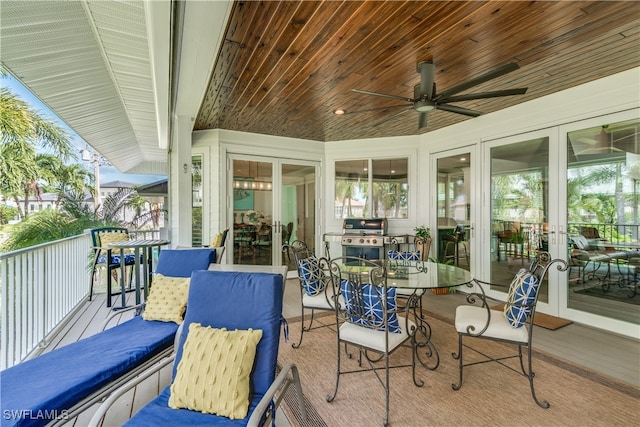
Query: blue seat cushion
point(181, 262)
point(129, 259)
point(59, 379)
point(243, 301)
point(311, 276)
point(158, 413)
point(522, 292)
point(372, 305)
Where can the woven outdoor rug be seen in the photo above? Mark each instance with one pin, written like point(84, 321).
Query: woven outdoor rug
point(491, 395)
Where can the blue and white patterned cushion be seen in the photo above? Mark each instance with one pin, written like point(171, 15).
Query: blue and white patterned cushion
point(372, 305)
point(115, 259)
point(311, 276)
point(404, 256)
point(523, 290)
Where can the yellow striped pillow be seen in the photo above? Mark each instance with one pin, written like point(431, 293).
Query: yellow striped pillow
point(213, 374)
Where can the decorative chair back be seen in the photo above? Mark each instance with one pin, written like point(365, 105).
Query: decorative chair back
point(362, 284)
point(101, 237)
point(299, 249)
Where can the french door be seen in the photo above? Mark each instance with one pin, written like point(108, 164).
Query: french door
point(272, 201)
point(521, 214)
point(454, 237)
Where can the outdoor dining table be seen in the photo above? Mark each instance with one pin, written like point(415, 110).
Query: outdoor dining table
point(143, 249)
point(420, 276)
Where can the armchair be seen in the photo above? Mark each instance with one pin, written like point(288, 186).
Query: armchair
point(103, 256)
point(370, 320)
point(513, 326)
point(316, 290)
point(241, 303)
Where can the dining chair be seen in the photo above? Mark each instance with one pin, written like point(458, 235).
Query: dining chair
point(103, 256)
point(370, 320)
point(514, 325)
point(316, 290)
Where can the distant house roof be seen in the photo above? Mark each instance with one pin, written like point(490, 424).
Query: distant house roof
point(158, 188)
point(44, 197)
point(117, 184)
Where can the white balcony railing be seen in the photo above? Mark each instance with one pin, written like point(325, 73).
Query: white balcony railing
point(40, 286)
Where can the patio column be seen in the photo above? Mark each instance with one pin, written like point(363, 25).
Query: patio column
point(180, 193)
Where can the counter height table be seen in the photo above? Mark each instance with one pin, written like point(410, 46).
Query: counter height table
point(141, 247)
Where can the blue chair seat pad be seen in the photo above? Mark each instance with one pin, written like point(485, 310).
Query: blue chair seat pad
point(129, 259)
point(59, 379)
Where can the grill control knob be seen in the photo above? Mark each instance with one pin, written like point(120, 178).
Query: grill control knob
point(348, 240)
point(374, 241)
point(361, 240)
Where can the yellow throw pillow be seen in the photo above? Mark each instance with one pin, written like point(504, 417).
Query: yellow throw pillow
point(213, 374)
point(111, 237)
point(217, 240)
point(167, 299)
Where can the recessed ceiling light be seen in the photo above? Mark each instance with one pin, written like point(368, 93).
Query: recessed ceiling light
point(339, 112)
point(393, 171)
point(462, 159)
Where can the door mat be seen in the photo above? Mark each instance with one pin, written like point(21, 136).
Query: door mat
point(543, 320)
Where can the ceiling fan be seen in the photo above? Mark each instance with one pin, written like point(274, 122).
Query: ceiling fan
point(425, 98)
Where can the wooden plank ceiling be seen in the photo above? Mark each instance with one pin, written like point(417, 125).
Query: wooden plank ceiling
point(285, 66)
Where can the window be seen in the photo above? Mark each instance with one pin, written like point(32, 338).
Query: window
point(371, 188)
point(196, 200)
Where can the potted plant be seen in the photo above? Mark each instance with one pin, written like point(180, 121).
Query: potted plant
point(423, 241)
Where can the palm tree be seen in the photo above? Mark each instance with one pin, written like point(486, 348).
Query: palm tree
point(23, 130)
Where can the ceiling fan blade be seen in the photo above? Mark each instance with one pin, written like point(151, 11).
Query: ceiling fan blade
point(459, 110)
point(500, 71)
point(422, 120)
point(484, 95)
point(366, 92)
point(368, 110)
point(393, 117)
point(427, 72)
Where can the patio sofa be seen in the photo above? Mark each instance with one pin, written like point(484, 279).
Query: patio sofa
point(62, 383)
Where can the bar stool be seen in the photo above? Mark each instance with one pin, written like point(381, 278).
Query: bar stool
point(456, 243)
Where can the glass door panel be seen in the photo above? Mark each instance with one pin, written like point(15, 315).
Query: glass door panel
point(454, 210)
point(252, 212)
point(297, 219)
point(603, 174)
point(519, 208)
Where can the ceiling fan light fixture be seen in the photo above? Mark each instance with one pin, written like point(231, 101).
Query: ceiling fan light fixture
point(424, 106)
point(339, 112)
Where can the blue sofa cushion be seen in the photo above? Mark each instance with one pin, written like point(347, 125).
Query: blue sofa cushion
point(181, 262)
point(372, 305)
point(57, 380)
point(522, 292)
point(311, 276)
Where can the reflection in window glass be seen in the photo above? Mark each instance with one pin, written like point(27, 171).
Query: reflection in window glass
point(390, 186)
point(603, 175)
point(352, 187)
point(196, 200)
point(387, 197)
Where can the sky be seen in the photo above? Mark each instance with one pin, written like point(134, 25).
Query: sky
point(107, 173)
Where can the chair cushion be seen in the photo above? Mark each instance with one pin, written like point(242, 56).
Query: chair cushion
point(61, 378)
point(158, 413)
point(372, 306)
point(581, 242)
point(244, 301)
point(129, 259)
point(499, 327)
point(372, 338)
point(523, 290)
point(213, 374)
point(167, 299)
point(404, 256)
point(311, 275)
point(111, 237)
point(181, 262)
